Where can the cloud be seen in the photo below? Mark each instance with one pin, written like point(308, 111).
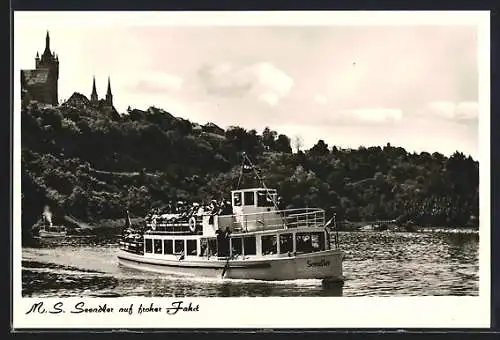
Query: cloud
point(270, 98)
point(320, 99)
point(453, 111)
point(369, 115)
point(155, 83)
point(262, 81)
point(467, 110)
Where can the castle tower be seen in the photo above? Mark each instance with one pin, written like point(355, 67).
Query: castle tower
point(50, 62)
point(93, 97)
point(109, 95)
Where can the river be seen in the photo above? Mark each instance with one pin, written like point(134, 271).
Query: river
point(376, 264)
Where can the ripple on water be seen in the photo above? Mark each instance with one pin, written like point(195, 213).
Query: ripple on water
point(376, 264)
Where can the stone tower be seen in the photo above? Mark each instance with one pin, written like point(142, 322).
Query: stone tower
point(109, 95)
point(50, 61)
point(40, 84)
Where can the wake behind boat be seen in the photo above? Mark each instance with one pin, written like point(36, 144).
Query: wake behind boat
point(247, 238)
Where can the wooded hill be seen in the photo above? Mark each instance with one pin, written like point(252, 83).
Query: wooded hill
point(93, 165)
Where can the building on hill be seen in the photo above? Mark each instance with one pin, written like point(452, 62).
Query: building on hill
point(40, 84)
point(107, 102)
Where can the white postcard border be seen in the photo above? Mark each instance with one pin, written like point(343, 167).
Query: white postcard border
point(275, 312)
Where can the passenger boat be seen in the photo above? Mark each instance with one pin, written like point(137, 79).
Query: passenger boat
point(47, 229)
point(253, 240)
point(52, 231)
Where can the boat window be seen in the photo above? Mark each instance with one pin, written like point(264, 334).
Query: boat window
point(249, 198)
point(269, 245)
point(264, 199)
point(212, 246)
point(157, 244)
point(191, 247)
point(286, 243)
point(168, 247)
point(310, 242)
point(236, 246)
point(203, 247)
point(179, 246)
point(318, 241)
point(237, 199)
point(149, 245)
point(250, 246)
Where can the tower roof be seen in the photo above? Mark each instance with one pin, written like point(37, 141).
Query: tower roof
point(93, 96)
point(109, 86)
point(47, 55)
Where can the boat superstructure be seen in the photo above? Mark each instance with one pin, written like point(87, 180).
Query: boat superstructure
point(246, 238)
point(47, 228)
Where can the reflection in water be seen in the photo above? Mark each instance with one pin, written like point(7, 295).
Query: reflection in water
point(376, 264)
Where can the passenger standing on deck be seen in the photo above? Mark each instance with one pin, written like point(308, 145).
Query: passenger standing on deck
point(213, 211)
point(227, 210)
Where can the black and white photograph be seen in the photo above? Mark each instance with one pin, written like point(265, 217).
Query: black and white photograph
point(162, 157)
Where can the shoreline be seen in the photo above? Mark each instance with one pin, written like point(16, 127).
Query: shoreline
point(113, 226)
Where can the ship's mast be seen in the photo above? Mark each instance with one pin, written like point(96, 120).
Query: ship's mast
point(246, 159)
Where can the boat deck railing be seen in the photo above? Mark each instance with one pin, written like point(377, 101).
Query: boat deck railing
point(268, 220)
point(280, 219)
point(174, 226)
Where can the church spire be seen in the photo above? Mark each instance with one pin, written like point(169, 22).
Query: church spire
point(109, 96)
point(93, 97)
point(109, 86)
point(47, 42)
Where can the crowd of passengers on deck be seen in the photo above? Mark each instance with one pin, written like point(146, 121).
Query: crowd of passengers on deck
point(182, 211)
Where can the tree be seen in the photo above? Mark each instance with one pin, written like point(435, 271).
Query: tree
point(283, 144)
point(268, 138)
point(298, 142)
point(319, 149)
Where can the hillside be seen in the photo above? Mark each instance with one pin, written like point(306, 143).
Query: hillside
point(93, 164)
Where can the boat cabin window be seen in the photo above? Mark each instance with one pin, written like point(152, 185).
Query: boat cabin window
point(149, 245)
point(179, 246)
point(249, 198)
point(203, 247)
point(310, 242)
point(237, 199)
point(269, 245)
point(249, 245)
point(286, 243)
point(212, 246)
point(168, 247)
point(157, 244)
point(265, 198)
point(236, 246)
point(191, 247)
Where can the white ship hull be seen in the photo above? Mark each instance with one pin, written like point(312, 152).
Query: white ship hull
point(48, 234)
point(326, 265)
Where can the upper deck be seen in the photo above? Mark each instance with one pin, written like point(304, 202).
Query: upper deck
point(274, 220)
point(253, 210)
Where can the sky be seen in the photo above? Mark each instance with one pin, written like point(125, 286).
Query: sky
point(414, 86)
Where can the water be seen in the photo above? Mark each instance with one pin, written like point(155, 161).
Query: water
point(376, 264)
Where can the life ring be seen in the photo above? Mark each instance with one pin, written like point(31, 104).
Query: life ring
point(192, 224)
